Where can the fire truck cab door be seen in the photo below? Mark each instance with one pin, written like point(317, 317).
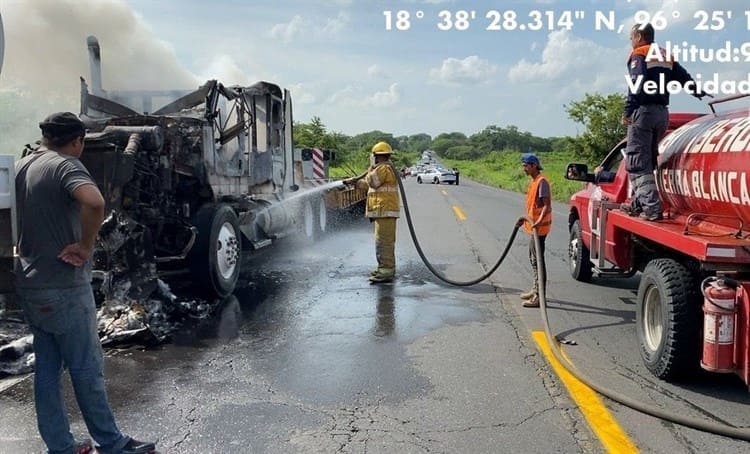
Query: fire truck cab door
point(609, 191)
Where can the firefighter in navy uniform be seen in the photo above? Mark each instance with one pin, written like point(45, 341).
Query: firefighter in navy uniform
point(647, 117)
point(383, 205)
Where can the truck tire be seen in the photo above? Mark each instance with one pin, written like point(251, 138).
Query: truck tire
point(214, 260)
point(314, 218)
point(322, 216)
point(309, 219)
point(578, 255)
point(667, 319)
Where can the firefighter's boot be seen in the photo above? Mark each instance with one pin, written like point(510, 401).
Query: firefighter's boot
point(382, 275)
point(528, 295)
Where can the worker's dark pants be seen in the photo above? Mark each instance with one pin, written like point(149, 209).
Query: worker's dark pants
point(648, 127)
point(538, 267)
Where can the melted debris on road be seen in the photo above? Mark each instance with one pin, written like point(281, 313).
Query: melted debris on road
point(134, 310)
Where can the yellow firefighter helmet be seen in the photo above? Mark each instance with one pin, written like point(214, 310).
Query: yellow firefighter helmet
point(382, 148)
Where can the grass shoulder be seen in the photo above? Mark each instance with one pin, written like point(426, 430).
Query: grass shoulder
point(503, 170)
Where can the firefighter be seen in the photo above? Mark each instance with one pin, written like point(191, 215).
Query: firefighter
point(647, 117)
point(539, 209)
point(383, 205)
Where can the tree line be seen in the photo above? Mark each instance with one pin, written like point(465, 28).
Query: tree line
point(598, 114)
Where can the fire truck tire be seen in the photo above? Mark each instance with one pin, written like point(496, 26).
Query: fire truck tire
point(667, 319)
point(214, 260)
point(578, 255)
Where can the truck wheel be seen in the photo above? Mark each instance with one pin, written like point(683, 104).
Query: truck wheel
point(310, 218)
point(578, 255)
point(322, 215)
point(214, 260)
point(667, 319)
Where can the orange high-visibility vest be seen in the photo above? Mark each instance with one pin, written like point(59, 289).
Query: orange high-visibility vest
point(534, 211)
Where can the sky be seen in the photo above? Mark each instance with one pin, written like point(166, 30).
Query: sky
point(343, 64)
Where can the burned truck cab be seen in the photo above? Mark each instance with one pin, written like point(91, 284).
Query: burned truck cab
point(194, 176)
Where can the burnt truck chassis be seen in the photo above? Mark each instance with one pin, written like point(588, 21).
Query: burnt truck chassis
point(196, 181)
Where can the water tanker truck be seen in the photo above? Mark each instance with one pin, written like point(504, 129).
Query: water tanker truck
point(693, 301)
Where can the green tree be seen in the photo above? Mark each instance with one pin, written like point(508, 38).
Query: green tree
point(314, 134)
point(601, 116)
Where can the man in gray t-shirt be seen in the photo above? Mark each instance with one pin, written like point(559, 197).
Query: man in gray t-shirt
point(60, 211)
point(48, 212)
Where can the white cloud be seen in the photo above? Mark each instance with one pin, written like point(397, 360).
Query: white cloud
point(345, 97)
point(567, 60)
point(289, 31)
point(375, 72)
point(302, 28)
point(470, 70)
point(384, 98)
point(336, 25)
point(356, 97)
point(302, 94)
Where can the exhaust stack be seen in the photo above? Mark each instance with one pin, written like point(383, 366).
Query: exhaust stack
point(95, 62)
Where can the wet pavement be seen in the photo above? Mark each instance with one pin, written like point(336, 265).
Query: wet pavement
point(309, 357)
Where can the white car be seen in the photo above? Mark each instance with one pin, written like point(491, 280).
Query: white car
point(437, 176)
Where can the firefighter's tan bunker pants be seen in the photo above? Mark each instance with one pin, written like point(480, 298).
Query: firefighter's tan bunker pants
point(648, 127)
point(385, 245)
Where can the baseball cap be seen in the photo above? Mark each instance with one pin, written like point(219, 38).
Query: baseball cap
point(61, 124)
point(530, 158)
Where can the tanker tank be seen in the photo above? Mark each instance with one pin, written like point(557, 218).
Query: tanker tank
point(704, 169)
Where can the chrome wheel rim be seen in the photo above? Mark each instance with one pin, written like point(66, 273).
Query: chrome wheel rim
point(227, 250)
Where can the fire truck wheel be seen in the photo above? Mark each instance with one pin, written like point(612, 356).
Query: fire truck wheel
point(667, 319)
point(578, 255)
point(214, 260)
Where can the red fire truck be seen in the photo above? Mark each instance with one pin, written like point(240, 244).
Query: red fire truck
point(693, 302)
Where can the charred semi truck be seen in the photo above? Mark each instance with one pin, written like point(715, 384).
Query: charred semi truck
point(199, 177)
point(693, 301)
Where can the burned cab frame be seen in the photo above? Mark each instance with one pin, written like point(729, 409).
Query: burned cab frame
point(188, 176)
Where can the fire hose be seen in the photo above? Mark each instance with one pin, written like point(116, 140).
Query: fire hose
point(687, 421)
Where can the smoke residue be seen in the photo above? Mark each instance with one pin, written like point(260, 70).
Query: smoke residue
point(46, 53)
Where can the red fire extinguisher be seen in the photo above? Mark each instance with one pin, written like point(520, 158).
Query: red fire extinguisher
point(719, 313)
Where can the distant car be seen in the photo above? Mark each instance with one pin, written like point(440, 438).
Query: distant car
point(437, 176)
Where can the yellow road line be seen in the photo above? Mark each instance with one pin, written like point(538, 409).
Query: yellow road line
point(612, 436)
point(459, 214)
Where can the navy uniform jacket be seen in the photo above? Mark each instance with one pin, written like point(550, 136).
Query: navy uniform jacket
point(650, 69)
